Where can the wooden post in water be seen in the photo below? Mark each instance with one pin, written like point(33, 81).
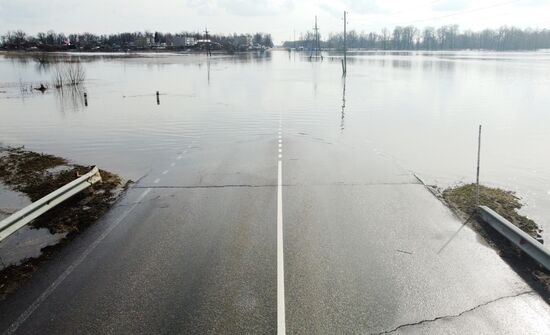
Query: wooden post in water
point(85, 99)
point(478, 161)
point(158, 98)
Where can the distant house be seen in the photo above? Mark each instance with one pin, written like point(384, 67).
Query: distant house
point(190, 41)
point(182, 41)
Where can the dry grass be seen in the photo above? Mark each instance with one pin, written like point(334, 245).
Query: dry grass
point(68, 74)
point(503, 202)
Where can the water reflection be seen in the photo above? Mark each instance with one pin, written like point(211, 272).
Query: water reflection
point(72, 98)
point(402, 63)
point(208, 70)
point(399, 60)
point(45, 60)
point(343, 111)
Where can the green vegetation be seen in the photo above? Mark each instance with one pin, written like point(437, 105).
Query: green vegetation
point(505, 203)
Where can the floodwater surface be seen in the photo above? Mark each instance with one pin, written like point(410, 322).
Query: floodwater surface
point(421, 109)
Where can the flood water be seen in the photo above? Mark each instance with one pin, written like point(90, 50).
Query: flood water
point(421, 109)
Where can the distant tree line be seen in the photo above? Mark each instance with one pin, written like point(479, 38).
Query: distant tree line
point(52, 41)
point(444, 38)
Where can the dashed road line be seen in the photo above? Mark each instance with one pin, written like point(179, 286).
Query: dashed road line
point(281, 318)
point(32, 308)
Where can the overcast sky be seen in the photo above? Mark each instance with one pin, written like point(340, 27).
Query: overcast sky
point(279, 17)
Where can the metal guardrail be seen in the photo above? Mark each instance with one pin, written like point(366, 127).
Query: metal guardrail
point(521, 239)
point(17, 220)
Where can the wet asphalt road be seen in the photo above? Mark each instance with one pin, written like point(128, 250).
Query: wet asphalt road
point(192, 249)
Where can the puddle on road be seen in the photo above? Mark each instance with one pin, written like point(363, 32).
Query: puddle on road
point(11, 201)
point(26, 243)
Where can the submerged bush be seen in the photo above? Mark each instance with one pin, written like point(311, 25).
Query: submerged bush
point(68, 74)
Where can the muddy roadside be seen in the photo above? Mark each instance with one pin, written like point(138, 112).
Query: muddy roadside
point(35, 175)
point(461, 199)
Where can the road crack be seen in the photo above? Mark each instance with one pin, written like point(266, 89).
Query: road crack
point(452, 316)
point(207, 186)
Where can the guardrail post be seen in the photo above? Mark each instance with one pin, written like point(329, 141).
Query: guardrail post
point(518, 237)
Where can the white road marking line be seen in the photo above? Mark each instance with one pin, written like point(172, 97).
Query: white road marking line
point(280, 145)
point(280, 150)
point(28, 312)
point(280, 156)
point(281, 323)
point(165, 172)
point(156, 181)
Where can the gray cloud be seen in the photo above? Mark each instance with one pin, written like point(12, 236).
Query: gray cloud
point(333, 11)
point(533, 2)
point(451, 5)
point(280, 17)
point(364, 6)
point(244, 7)
point(23, 11)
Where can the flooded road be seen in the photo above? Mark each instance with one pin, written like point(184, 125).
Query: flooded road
point(239, 147)
point(421, 109)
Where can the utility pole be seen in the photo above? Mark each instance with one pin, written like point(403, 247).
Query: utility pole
point(208, 52)
point(317, 42)
point(318, 39)
point(345, 61)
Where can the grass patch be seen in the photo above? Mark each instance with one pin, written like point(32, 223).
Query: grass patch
point(505, 203)
point(36, 175)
